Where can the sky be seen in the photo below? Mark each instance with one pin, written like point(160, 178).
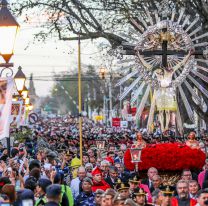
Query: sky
point(42, 59)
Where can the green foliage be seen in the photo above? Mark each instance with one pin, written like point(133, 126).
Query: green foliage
point(96, 18)
point(22, 135)
point(64, 94)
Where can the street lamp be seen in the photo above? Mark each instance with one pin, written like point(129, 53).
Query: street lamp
point(30, 107)
point(8, 32)
point(102, 72)
point(27, 100)
point(19, 79)
point(24, 92)
point(136, 151)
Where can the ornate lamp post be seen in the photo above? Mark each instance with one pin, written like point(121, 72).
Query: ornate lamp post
point(24, 92)
point(20, 79)
point(8, 31)
point(136, 152)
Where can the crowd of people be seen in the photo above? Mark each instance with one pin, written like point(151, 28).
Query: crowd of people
point(45, 169)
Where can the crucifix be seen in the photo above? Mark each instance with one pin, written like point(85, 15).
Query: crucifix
point(165, 37)
point(165, 97)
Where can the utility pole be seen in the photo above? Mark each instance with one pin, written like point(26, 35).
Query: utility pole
point(80, 97)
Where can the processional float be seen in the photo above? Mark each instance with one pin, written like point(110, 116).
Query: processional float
point(167, 52)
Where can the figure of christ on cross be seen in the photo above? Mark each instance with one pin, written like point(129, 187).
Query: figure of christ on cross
point(165, 95)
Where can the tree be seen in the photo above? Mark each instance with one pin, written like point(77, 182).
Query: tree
point(65, 94)
point(96, 18)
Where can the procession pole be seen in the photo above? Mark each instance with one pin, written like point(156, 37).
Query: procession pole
point(80, 97)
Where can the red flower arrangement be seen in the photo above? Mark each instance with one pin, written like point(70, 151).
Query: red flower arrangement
point(167, 157)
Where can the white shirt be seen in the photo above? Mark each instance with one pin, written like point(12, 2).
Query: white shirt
point(75, 187)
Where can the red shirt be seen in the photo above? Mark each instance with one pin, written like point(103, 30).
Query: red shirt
point(174, 202)
point(103, 185)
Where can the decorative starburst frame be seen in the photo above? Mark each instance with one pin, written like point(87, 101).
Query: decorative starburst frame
point(184, 36)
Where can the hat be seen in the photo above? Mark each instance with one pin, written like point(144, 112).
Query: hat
point(76, 162)
point(121, 185)
point(51, 155)
point(130, 202)
point(44, 183)
point(69, 153)
point(139, 191)
point(119, 198)
point(96, 171)
point(27, 194)
point(87, 179)
point(53, 191)
point(109, 159)
point(167, 189)
point(134, 178)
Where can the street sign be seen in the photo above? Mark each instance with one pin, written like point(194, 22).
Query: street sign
point(33, 118)
point(116, 122)
point(124, 124)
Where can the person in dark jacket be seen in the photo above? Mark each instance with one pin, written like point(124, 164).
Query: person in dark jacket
point(53, 193)
point(111, 179)
point(86, 197)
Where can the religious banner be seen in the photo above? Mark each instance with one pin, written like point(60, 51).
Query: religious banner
point(23, 119)
point(6, 90)
point(16, 114)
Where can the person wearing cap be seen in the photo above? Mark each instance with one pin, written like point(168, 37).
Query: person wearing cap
point(118, 200)
point(123, 188)
point(42, 184)
point(53, 193)
point(75, 164)
point(86, 197)
point(67, 159)
point(139, 196)
point(98, 181)
point(130, 202)
point(167, 194)
point(135, 181)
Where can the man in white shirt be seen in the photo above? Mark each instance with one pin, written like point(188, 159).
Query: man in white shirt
point(76, 182)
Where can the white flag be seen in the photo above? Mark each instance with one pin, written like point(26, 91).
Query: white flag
point(6, 91)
